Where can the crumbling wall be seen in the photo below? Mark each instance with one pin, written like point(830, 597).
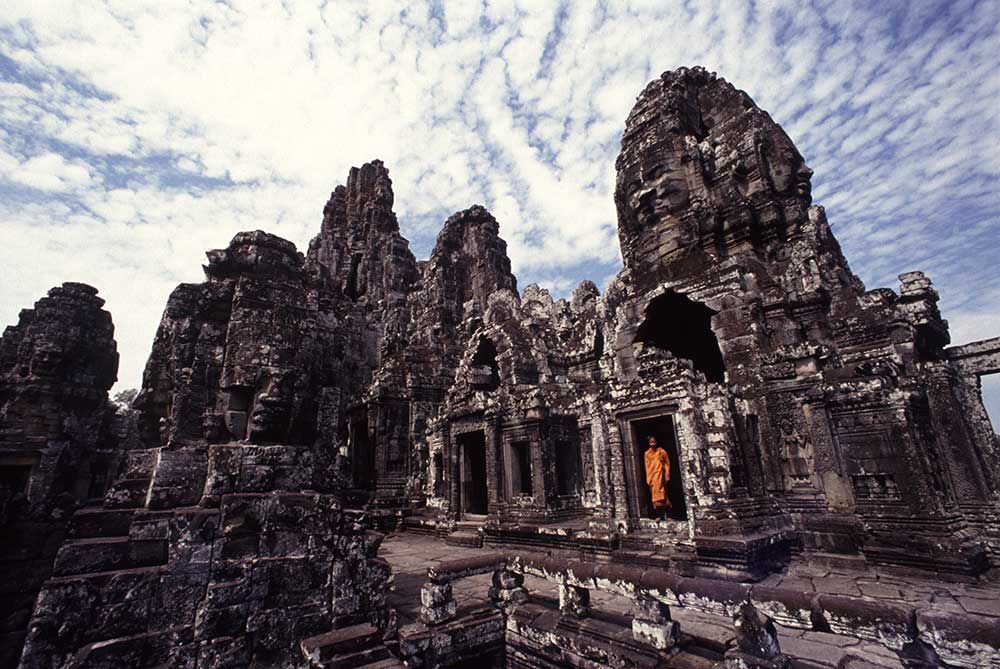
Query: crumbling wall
point(224, 541)
point(58, 445)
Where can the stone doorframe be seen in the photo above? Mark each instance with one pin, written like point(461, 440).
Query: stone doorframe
point(629, 459)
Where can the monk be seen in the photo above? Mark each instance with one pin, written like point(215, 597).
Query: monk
point(657, 476)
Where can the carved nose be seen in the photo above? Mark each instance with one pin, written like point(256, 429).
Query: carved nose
point(805, 171)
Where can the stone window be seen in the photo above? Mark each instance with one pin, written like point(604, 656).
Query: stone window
point(683, 328)
point(485, 372)
point(989, 387)
point(352, 289)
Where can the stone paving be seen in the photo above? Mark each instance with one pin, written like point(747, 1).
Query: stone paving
point(410, 555)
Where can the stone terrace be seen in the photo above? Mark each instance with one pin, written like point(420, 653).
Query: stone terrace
point(410, 555)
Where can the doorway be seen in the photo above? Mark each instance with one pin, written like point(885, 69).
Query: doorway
point(473, 493)
point(661, 427)
point(362, 458)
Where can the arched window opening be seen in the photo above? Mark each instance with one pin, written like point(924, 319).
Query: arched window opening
point(485, 372)
point(683, 327)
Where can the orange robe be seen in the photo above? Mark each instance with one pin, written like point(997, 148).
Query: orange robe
point(657, 475)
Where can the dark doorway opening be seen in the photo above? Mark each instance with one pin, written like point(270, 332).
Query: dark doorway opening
point(661, 427)
point(98, 484)
point(568, 467)
point(683, 328)
point(14, 479)
point(519, 471)
point(362, 458)
point(472, 446)
point(438, 475)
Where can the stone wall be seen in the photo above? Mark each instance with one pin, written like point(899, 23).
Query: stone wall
point(58, 445)
point(291, 402)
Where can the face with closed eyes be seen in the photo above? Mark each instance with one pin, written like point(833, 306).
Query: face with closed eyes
point(657, 193)
point(271, 411)
point(787, 169)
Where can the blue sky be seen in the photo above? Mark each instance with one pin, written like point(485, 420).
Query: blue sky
point(136, 135)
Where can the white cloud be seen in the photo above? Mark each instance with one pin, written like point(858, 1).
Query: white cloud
point(49, 172)
point(141, 133)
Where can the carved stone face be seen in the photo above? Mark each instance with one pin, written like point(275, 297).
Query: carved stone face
point(658, 193)
point(788, 170)
point(271, 411)
point(45, 359)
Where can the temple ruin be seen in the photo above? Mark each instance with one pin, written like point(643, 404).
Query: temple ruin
point(296, 410)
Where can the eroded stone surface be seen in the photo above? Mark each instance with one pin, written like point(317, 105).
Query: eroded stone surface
point(802, 414)
point(58, 439)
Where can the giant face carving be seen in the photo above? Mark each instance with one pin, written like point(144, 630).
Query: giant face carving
point(271, 410)
point(657, 193)
point(785, 166)
point(46, 359)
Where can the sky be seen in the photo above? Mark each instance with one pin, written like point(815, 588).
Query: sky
point(136, 135)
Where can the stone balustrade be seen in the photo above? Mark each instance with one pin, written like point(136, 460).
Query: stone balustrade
point(920, 636)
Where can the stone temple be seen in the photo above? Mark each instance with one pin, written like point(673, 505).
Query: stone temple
point(352, 458)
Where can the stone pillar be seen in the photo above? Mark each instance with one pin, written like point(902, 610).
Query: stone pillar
point(573, 601)
point(437, 604)
point(651, 623)
point(508, 590)
point(756, 642)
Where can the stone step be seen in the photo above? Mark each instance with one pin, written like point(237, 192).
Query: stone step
point(689, 660)
point(360, 658)
point(388, 663)
point(324, 647)
point(468, 538)
point(100, 522)
point(104, 554)
point(127, 493)
point(851, 564)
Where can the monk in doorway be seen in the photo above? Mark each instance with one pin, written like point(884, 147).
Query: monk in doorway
point(657, 476)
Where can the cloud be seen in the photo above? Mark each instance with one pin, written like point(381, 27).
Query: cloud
point(134, 136)
point(47, 172)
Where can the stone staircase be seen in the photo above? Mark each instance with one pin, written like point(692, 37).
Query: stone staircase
point(465, 534)
point(355, 647)
point(100, 543)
